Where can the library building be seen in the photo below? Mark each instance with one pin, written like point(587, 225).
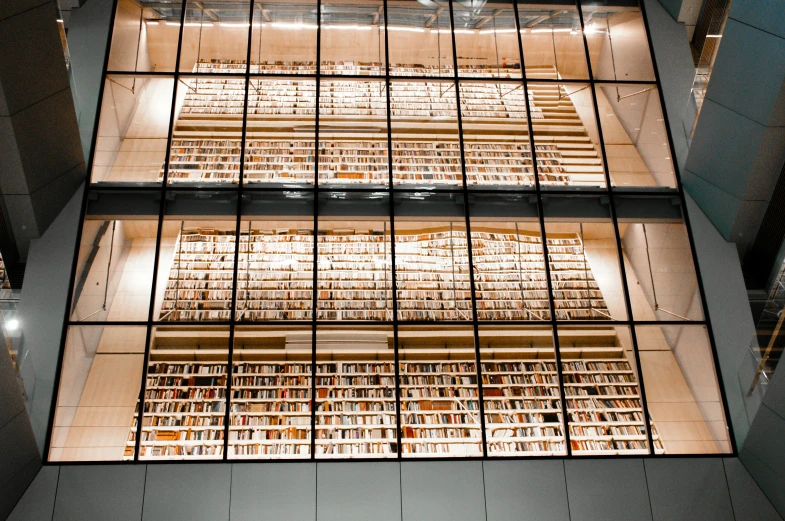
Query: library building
point(372, 230)
point(426, 236)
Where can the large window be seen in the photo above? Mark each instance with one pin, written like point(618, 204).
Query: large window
point(383, 230)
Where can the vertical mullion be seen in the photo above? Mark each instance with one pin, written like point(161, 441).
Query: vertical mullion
point(394, 286)
point(475, 331)
point(161, 213)
point(315, 295)
point(686, 217)
point(617, 235)
point(237, 239)
point(82, 214)
point(544, 238)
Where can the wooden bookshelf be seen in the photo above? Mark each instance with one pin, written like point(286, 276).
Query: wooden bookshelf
point(275, 276)
point(206, 142)
point(270, 410)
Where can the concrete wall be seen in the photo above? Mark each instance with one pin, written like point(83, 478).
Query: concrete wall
point(542, 490)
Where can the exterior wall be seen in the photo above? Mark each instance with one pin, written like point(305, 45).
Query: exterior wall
point(629, 489)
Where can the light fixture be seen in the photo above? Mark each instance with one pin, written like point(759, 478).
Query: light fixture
point(173, 24)
point(349, 27)
point(12, 325)
point(234, 24)
point(197, 24)
point(295, 26)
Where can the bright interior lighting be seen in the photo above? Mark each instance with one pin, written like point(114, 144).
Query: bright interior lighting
point(229, 24)
point(713, 36)
point(590, 30)
point(59, 20)
point(464, 31)
point(295, 26)
point(349, 27)
point(195, 24)
point(152, 22)
point(409, 29)
point(12, 325)
point(498, 31)
point(173, 24)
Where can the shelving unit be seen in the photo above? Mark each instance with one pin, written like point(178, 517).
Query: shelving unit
point(496, 137)
point(270, 414)
point(275, 275)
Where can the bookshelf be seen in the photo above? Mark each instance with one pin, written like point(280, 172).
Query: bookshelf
point(206, 144)
point(275, 275)
point(270, 410)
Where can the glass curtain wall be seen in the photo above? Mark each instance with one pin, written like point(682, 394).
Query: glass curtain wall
point(394, 229)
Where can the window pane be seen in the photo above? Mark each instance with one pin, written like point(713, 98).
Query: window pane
point(353, 152)
point(495, 134)
point(583, 259)
point(355, 391)
point(275, 271)
point(440, 410)
point(432, 258)
point(280, 135)
point(566, 138)
point(271, 393)
point(520, 392)
point(353, 38)
point(485, 40)
point(215, 35)
point(424, 123)
point(284, 37)
point(681, 389)
point(355, 257)
point(601, 386)
point(133, 130)
point(207, 130)
point(196, 260)
point(634, 134)
point(427, 24)
point(661, 276)
point(114, 271)
point(185, 394)
point(145, 39)
point(509, 267)
point(100, 381)
point(618, 46)
point(552, 40)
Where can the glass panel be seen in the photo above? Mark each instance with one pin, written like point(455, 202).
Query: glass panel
point(495, 134)
point(196, 259)
point(284, 37)
point(618, 45)
point(520, 392)
point(634, 134)
point(661, 276)
point(133, 130)
point(419, 39)
point(271, 393)
point(684, 399)
point(185, 394)
point(566, 138)
point(215, 36)
point(353, 133)
point(583, 259)
point(440, 409)
point(144, 38)
point(355, 257)
point(432, 258)
point(424, 130)
point(353, 38)
point(100, 381)
point(552, 40)
point(509, 267)
point(280, 144)
point(114, 270)
point(275, 271)
point(601, 386)
point(355, 391)
point(207, 130)
point(485, 39)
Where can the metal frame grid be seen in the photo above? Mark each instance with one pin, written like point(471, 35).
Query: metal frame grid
point(536, 191)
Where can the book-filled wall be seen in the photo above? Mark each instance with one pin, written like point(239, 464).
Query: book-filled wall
point(275, 276)
point(355, 416)
point(496, 135)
